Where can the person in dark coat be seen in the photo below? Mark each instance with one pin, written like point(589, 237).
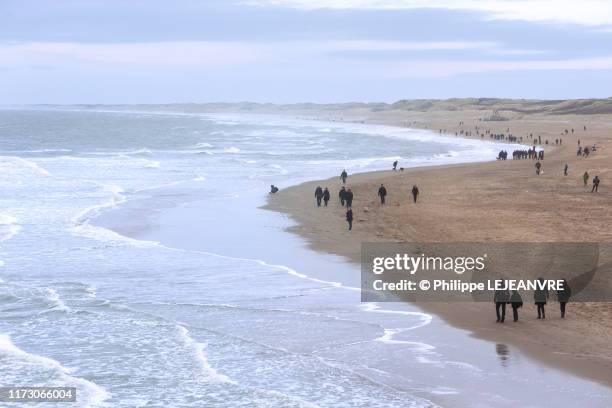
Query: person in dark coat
point(382, 193)
point(517, 302)
point(540, 296)
point(349, 218)
point(349, 198)
point(538, 167)
point(395, 165)
point(501, 298)
point(273, 189)
point(415, 193)
point(326, 196)
point(319, 195)
point(595, 184)
point(343, 176)
point(565, 169)
point(342, 196)
point(564, 292)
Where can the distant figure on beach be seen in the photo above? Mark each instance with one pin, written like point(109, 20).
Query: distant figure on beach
point(326, 196)
point(318, 195)
point(565, 169)
point(585, 177)
point(501, 297)
point(382, 193)
point(595, 184)
point(349, 218)
point(415, 193)
point(516, 302)
point(395, 165)
point(538, 167)
point(342, 196)
point(540, 297)
point(563, 295)
point(273, 189)
point(344, 176)
point(349, 198)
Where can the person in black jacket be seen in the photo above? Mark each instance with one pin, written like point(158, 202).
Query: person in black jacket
point(349, 198)
point(343, 176)
point(395, 165)
point(563, 296)
point(342, 196)
point(501, 297)
point(415, 193)
point(540, 297)
point(517, 302)
point(382, 193)
point(349, 218)
point(319, 195)
point(326, 196)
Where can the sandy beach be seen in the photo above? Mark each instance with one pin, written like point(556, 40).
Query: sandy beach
point(497, 201)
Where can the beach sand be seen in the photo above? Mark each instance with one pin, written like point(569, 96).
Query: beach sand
point(497, 201)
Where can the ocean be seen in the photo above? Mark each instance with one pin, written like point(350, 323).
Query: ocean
point(137, 266)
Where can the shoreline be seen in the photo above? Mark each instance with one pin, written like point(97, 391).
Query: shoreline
point(561, 346)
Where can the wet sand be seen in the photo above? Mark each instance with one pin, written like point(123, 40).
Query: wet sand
point(498, 201)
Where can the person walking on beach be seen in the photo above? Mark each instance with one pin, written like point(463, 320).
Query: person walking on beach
point(415, 193)
point(501, 298)
point(342, 196)
point(349, 218)
point(382, 193)
point(564, 293)
point(565, 169)
point(540, 295)
point(349, 198)
point(595, 184)
point(585, 178)
point(343, 176)
point(538, 167)
point(319, 195)
point(326, 196)
point(395, 165)
point(517, 302)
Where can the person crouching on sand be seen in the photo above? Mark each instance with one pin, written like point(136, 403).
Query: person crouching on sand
point(349, 218)
point(415, 193)
point(517, 302)
point(382, 193)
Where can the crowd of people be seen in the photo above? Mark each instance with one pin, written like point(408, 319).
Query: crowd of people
point(503, 297)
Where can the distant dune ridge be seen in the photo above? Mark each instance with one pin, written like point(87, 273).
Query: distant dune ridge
point(503, 105)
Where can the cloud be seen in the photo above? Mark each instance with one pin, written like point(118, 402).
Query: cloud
point(307, 59)
point(583, 12)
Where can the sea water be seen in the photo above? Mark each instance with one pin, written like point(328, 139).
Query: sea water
point(136, 265)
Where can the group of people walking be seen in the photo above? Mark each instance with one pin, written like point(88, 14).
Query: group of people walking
point(540, 299)
point(345, 196)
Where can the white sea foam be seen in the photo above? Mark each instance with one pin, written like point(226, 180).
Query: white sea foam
point(19, 162)
point(57, 304)
point(206, 372)
point(9, 227)
point(94, 395)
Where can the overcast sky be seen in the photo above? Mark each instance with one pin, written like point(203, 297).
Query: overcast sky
point(161, 51)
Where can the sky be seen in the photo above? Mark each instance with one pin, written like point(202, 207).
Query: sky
point(290, 51)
